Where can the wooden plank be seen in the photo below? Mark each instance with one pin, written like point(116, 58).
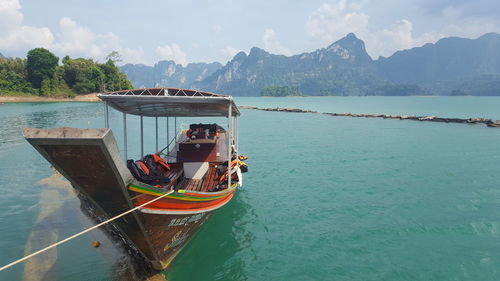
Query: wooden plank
point(176, 172)
point(209, 179)
point(193, 184)
point(198, 185)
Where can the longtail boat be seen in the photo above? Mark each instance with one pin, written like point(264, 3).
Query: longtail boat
point(200, 168)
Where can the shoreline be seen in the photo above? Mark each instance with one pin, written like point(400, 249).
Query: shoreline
point(21, 99)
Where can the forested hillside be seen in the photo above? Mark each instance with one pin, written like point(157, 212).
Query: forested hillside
point(452, 66)
point(42, 74)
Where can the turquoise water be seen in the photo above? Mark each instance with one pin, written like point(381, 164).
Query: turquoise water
point(326, 198)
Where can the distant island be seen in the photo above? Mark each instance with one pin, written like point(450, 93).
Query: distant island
point(281, 91)
point(452, 66)
point(41, 75)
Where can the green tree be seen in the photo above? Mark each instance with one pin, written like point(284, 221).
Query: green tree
point(114, 79)
point(398, 90)
point(280, 91)
point(41, 64)
point(41, 74)
point(114, 56)
point(13, 77)
point(16, 65)
point(56, 86)
point(82, 75)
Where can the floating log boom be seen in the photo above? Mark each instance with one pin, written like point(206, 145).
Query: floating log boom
point(488, 122)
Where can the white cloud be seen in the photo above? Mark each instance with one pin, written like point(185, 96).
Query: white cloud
point(71, 38)
point(229, 52)
point(331, 22)
point(76, 40)
point(172, 52)
point(271, 43)
point(131, 55)
point(10, 16)
point(79, 40)
point(26, 37)
point(398, 37)
point(14, 35)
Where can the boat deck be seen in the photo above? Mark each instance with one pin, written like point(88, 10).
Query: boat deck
point(177, 180)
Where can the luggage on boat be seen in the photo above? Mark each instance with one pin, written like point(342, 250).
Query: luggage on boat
point(156, 163)
point(146, 173)
point(201, 131)
point(136, 172)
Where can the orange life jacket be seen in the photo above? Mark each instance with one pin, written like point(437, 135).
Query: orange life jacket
point(226, 173)
point(143, 166)
point(160, 161)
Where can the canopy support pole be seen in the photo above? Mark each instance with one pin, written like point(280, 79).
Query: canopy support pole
point(106, 115)
point(237, 137)
point(125, 136)
point(142, 137)
point(168, 137)
point(230, 140)
point(156, 124)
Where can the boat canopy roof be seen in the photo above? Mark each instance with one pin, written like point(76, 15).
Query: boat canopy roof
point(170, 102)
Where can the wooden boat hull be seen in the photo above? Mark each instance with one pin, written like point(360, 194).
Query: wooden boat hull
point(170, 233)
point(90, 160)
point(173, 220)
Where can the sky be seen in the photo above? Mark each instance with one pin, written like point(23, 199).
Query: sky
point(147, 31)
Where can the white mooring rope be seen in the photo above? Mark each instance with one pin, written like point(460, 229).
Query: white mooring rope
point(83, 232)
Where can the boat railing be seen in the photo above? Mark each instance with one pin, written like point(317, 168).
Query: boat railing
point(170, 104)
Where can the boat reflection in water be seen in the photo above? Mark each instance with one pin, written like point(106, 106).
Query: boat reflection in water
point(196, 174)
